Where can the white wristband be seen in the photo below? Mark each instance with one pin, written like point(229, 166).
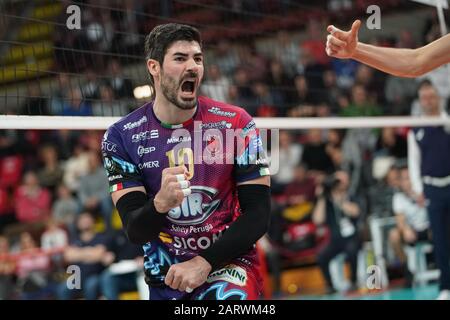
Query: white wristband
point(184, 184)
point(180, 177)
point(186, 191)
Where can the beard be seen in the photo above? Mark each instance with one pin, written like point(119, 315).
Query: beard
point(170, 88)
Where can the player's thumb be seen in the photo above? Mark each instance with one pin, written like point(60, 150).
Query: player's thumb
point(355, 28)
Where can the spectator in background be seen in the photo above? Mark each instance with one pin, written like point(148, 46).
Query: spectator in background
point(60, 94)
point(51, 174)
point(108, 106)
point(93, 192)
point(360, 104)
point(226, 57)
point(254, 64)
point(331, 93)
point(112, 281)
point(345, 70)
point(391, 144)
point(91, 87)
point(373, 81)
point(65, 209)
point(33, 268)
point(312, 70)
point(430, 100)
point(216, 85)
point(382, 193)
point(35, 104)
point(75, 105)
point(314, 153)
point(315, 43)
point(264, 100)
point(54, 240)
point(340, 213)
point(345, 157)
point(287, 51)
point(90, 253)
point(412, 221)
point(300, 194)
point(64, 141)
point(429, 169)
point(122, 86)
point(76, 167)
point(243, 95)
point(54, 237)
point(302, 100)
point(288, 158)
point(281, 86)
point(7, 268)
point(399, 94)
point(32, 202)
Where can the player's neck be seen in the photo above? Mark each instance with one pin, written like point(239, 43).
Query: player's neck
point(167, 112)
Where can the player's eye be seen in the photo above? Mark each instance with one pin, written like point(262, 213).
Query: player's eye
point(199, 60)
point(179, 59)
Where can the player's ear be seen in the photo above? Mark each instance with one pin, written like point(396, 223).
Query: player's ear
point(153, 67)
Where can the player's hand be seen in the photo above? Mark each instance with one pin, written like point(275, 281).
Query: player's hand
point(188, 275)
point(342, 44)
point(174, 187)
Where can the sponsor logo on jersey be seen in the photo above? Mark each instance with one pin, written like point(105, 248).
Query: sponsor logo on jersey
point(112, 178)
point(141, 150)
point(145, 135)
point(196, 243)
point(132, 125)
point(231, 273)
point(216, 125)
point(109, 146)
point(149, 165)
point(220, 112)
point(179, 139)
point(192, 229)
point(196, 207)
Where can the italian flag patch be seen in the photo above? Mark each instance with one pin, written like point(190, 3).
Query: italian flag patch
point(116, 187)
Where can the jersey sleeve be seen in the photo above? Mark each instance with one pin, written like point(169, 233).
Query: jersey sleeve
point(251, 160)
point(122, 172)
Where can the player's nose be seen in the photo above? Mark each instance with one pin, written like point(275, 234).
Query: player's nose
point(191, 65)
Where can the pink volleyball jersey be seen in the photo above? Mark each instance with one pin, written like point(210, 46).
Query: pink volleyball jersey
point(220, 146)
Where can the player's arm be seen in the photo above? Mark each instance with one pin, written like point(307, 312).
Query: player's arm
point(252, 224)
point(143, 216)
point(396, 61)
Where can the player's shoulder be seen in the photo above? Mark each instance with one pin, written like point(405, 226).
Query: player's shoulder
point(133, 120)
point(221, 109)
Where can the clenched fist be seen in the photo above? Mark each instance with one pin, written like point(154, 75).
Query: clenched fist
point(189, 275)
point(174, 187)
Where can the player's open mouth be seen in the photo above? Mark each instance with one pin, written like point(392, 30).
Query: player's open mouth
point(188, 88)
